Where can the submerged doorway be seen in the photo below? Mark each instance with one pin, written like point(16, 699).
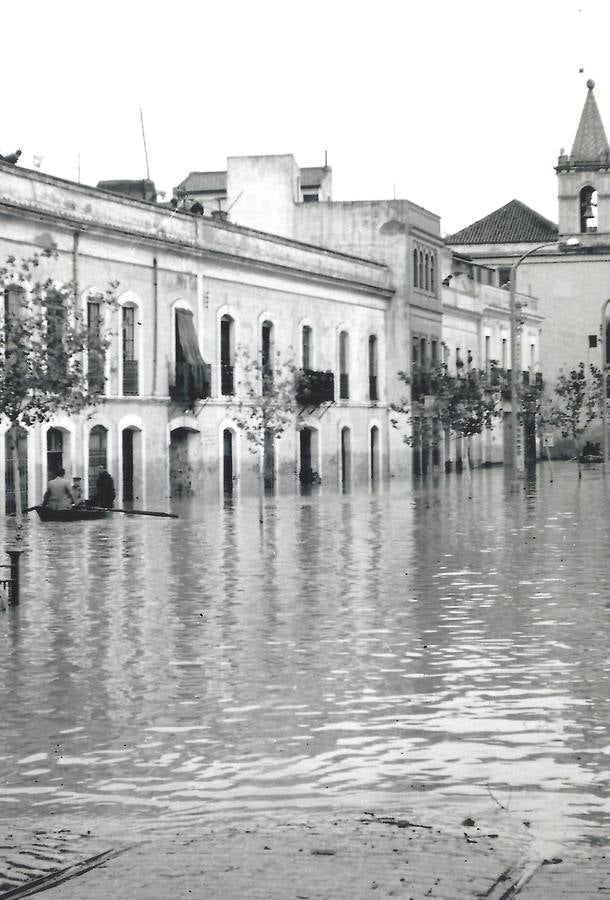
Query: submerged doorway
point(55, 452)
point(227, 461)
point(374, 453)
point(346, 459)
point(308, 456)
point(269, 460)
point(181, 451)
point(128, 492)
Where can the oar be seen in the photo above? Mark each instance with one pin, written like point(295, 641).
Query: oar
point(136, 512)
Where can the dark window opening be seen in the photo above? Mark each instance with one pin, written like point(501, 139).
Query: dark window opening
point(130, 363)
point(343, 366)
point(267, 357)
point(306, 352)
point(226, 356)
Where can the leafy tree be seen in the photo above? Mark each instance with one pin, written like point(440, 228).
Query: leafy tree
point(44, 342)
point(464, 404)
point(578, 394)
point(266, 404)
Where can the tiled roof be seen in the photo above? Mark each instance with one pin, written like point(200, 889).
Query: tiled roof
point(311, 176)
point(590, 143)
point(196, 182)
point(514, 223)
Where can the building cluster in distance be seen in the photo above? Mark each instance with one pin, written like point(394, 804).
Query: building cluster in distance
point(260, 257)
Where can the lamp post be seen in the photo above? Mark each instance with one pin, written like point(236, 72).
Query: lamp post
point(604, 398)
point(516, 455)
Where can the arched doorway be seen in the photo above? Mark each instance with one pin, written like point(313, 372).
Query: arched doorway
point(181, 462)
point(227, 461)
point(98, 455)
point(374, 453)
point(308, 456)
point(55, 452)
point(346, 459)
point(19, 437)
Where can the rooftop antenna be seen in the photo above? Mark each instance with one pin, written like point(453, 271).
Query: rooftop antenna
point(78, 168)
point(326, 159)
point(144, 142)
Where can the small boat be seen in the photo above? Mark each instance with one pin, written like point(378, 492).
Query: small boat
point(75, 514)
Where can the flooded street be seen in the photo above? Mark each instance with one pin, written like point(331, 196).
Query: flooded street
point(411, 649)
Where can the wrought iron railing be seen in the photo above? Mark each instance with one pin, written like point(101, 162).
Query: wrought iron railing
point(373, 394)
point(130, 378)
point(188, 384)
point(314, 387)
point(95, 373)
point(227, 385)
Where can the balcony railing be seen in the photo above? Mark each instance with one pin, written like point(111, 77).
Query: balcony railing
point(130, 378)
point(373, 395)
point(95, 373)
point(227, 385)
point(420, 386)
point(526, 381)
point(189, 384)
point(343, 386)
point(314, 387)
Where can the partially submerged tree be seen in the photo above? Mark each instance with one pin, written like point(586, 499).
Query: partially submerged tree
point(576, 403)
point(265, 406)
point(463, 405)
point(46, 339)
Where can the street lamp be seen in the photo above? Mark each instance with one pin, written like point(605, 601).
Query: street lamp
point(604, 387)
point(516, 455)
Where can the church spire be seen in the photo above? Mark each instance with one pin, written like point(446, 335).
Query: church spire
point(590, 144)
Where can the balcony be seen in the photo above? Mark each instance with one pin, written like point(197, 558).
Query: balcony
point(190, 383)
point(343, 386)
point(526, 381)
point(227, 385)
point(314, 387)
point(130, 378)
point(420, 386)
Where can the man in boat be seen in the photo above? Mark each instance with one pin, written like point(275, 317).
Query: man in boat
point(104, 489)
point(58, 494)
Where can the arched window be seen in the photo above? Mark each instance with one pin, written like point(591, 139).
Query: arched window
point(343, 366)
point(432, 274)
point(131, 381)
point(96, 358)
point(415, 269)
point(421, 268)
point(588, 209)
point(373, 393)
point(307, 347)
point(267, 356)
point(226, 355)
point(427, 272)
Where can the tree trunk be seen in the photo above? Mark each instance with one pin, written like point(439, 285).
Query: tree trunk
point(14, 450)
point(577, 455)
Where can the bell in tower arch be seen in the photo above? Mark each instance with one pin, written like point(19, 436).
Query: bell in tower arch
point(588, 210)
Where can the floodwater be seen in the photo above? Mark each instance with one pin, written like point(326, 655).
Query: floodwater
point(430, 646)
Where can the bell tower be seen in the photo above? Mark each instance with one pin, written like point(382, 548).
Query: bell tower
point(584, 176)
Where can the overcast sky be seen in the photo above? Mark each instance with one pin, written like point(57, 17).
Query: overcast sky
point(457, 106)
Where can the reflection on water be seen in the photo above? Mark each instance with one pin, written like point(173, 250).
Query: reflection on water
point(352, 650)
